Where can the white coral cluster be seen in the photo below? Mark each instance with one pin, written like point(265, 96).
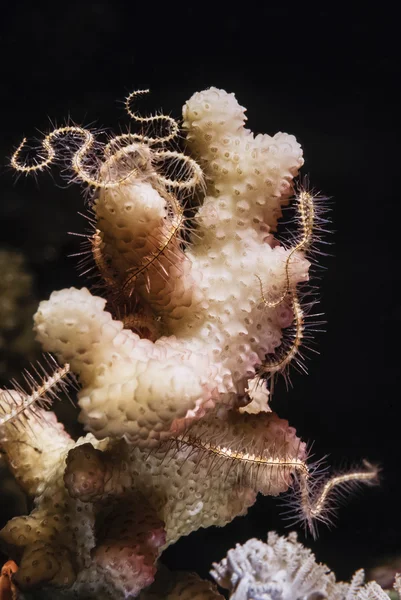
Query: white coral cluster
point(283, 569)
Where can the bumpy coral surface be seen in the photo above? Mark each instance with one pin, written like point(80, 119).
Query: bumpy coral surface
point(214, 329)
point(195, 299)
point(98, 549)
point(105, 510)
point(191, 482)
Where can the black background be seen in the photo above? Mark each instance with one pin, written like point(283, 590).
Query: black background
point(330, 76)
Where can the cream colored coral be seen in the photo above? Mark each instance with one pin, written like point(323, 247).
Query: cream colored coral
point(47, 538)
point(131, 386)
point(33, 447)
point(107, 509)
point(67, 543)
point(206, 476)
point(207, 297)
point(183, 435)
point(258, 393)
point(171, 453)
point(249, 177)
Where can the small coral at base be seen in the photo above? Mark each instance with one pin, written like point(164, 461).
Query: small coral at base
point(283, 569)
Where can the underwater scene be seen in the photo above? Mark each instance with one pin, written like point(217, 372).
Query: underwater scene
point(199, 308)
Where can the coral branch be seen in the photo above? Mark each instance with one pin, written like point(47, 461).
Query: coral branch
point(199, 299)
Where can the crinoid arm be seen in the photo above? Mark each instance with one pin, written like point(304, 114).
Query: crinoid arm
point(315, 496)
point(43, 383)
point(30, 435)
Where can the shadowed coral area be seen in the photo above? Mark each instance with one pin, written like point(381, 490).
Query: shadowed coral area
point(129, 538)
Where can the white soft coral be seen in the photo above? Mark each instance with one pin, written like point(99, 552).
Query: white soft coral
point(283, 569)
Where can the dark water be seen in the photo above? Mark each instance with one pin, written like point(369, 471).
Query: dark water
point(330, 78)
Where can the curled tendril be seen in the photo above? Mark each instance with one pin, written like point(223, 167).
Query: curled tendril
point(255, 463)
point(100, 261)
point(119, 140)
point(189, 165)
point(306, 215)
point(77, 161)
point(315, 502)
point(173, 232)
point(172, 123)
point(115, 151)
point(275, 366)
point(47, 145)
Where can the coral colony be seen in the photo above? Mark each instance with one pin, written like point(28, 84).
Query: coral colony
point(283, 569)
point(194, 309)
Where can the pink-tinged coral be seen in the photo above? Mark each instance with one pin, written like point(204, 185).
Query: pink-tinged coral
point(129, 537)
point(107, 509)
point(100, 549)
point(206, 476)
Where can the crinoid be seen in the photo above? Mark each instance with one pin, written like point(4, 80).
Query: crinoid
point(174, 360)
